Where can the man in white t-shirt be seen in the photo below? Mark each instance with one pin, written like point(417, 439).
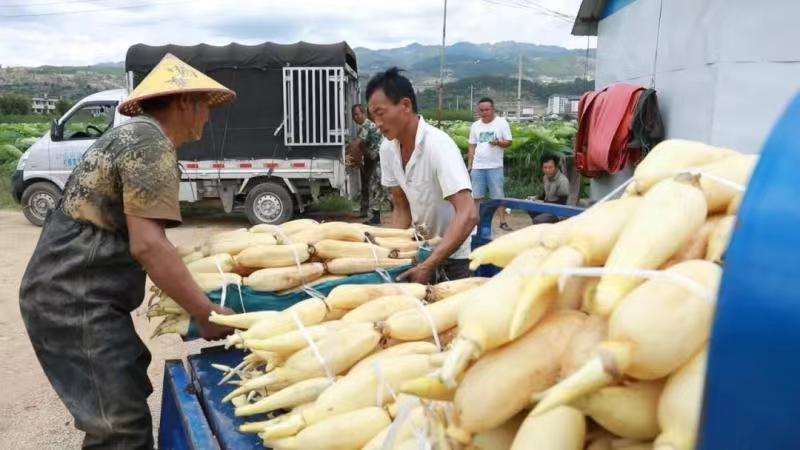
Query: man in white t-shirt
point(488, 138)
point(426, 177)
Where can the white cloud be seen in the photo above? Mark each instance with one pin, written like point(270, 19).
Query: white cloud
point(105, 35)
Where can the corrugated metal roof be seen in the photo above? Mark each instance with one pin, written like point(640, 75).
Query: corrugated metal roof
point(589, 14)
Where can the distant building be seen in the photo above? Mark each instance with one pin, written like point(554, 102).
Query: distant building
point(562, 104)
point(43, 105)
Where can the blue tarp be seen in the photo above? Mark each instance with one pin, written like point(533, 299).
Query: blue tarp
point(251, 300)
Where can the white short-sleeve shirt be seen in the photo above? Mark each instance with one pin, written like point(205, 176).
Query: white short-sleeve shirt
point(435, 171)
point(488, 156)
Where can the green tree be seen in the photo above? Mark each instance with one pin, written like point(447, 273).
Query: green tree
point(15, 104)
point(62, 106)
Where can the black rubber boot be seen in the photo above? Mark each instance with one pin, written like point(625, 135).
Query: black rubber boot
point(376, 218)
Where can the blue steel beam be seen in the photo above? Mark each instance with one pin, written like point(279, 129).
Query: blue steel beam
point(752, 388)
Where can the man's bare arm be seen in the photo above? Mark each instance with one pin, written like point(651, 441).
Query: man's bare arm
point(401, 214)
point(151, 248)
point(470, 155)
point(466, 217)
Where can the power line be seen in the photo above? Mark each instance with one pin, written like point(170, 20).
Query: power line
point(86, 11)
point(542, 10)
point(59, 2)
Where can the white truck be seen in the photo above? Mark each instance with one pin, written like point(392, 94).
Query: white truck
point(271, 152)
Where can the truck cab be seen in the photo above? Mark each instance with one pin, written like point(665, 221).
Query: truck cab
point(44, 168)
point(276, 148)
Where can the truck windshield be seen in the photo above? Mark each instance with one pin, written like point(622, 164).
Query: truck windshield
point(89, 122)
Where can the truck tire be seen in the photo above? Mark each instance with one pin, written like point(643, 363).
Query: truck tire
point(38, 199)
point(269, 203)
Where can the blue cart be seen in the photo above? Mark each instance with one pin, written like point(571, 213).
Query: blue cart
point(753, 382)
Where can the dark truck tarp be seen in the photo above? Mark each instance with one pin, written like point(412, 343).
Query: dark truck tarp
point(245, 129)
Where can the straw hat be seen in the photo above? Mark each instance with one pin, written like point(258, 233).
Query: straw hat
point(173, 76)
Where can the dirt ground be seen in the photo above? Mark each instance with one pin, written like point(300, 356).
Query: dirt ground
point(31, 415)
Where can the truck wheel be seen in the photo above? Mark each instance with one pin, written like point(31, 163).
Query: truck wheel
point(268, 203)
point(38, 199)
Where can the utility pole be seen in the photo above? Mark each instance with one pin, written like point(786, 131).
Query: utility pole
point(457, 101)
point(471, 102)
point(441, 64)
point(519, 90)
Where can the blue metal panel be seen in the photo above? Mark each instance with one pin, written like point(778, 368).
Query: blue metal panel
point(486, 213)
point(220, 415)
point(752, 394)
point(183, 425)
point(613, 6)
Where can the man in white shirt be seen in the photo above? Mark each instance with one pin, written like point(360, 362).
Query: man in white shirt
point(426, 177)
point(488, 138)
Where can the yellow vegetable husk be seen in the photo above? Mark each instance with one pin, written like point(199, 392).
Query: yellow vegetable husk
point(670, 157)
point(267, 256)
point(588, 243)
point(680, 405)
point(242, 321)
point(355, 391)
point(310, 312)
point(405, 348)
point(671, 212)
point(235, 243)
point(720, 238)
point(329, 249)
point(340, 350)
point(629, 411)
point(736, 169)
point(280, 278)
point(500, 438)
point(186, 249)
point(212, 264)
point(320, 280)
point(416, 420)
point(528, 365)
point(210, 282)
point(381, 308)
point(450, 288)
point(413, 324)
point(291, 226)
point(733, 207)
point(297, 394)
point(666, 323)
point(501, 251)
point(287, 343)
point(697, 245)
point(349, 266)
point(563, 428)
point(484, 322)
point(655, 330)
point(351, 296)
point(429, 387)
point(582, 345)
point(347, 431)
point(338, 231)
point(192, 257)
point(398, 244)
point(399, 233)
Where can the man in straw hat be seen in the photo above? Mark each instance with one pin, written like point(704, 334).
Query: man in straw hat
point(87, 273)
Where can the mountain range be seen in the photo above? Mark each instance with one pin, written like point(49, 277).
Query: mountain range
point(463, 60)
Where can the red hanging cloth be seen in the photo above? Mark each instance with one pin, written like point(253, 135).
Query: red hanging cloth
point(604, 129)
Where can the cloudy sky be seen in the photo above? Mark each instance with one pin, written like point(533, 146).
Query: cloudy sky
point(73, 32)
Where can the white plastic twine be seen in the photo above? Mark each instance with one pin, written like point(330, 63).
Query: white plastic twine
point(721, 180)
point(380, 270)
point(419, 304)
point(404, 412)
point(614, 192)
point(313, 345)
point(304, 286)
